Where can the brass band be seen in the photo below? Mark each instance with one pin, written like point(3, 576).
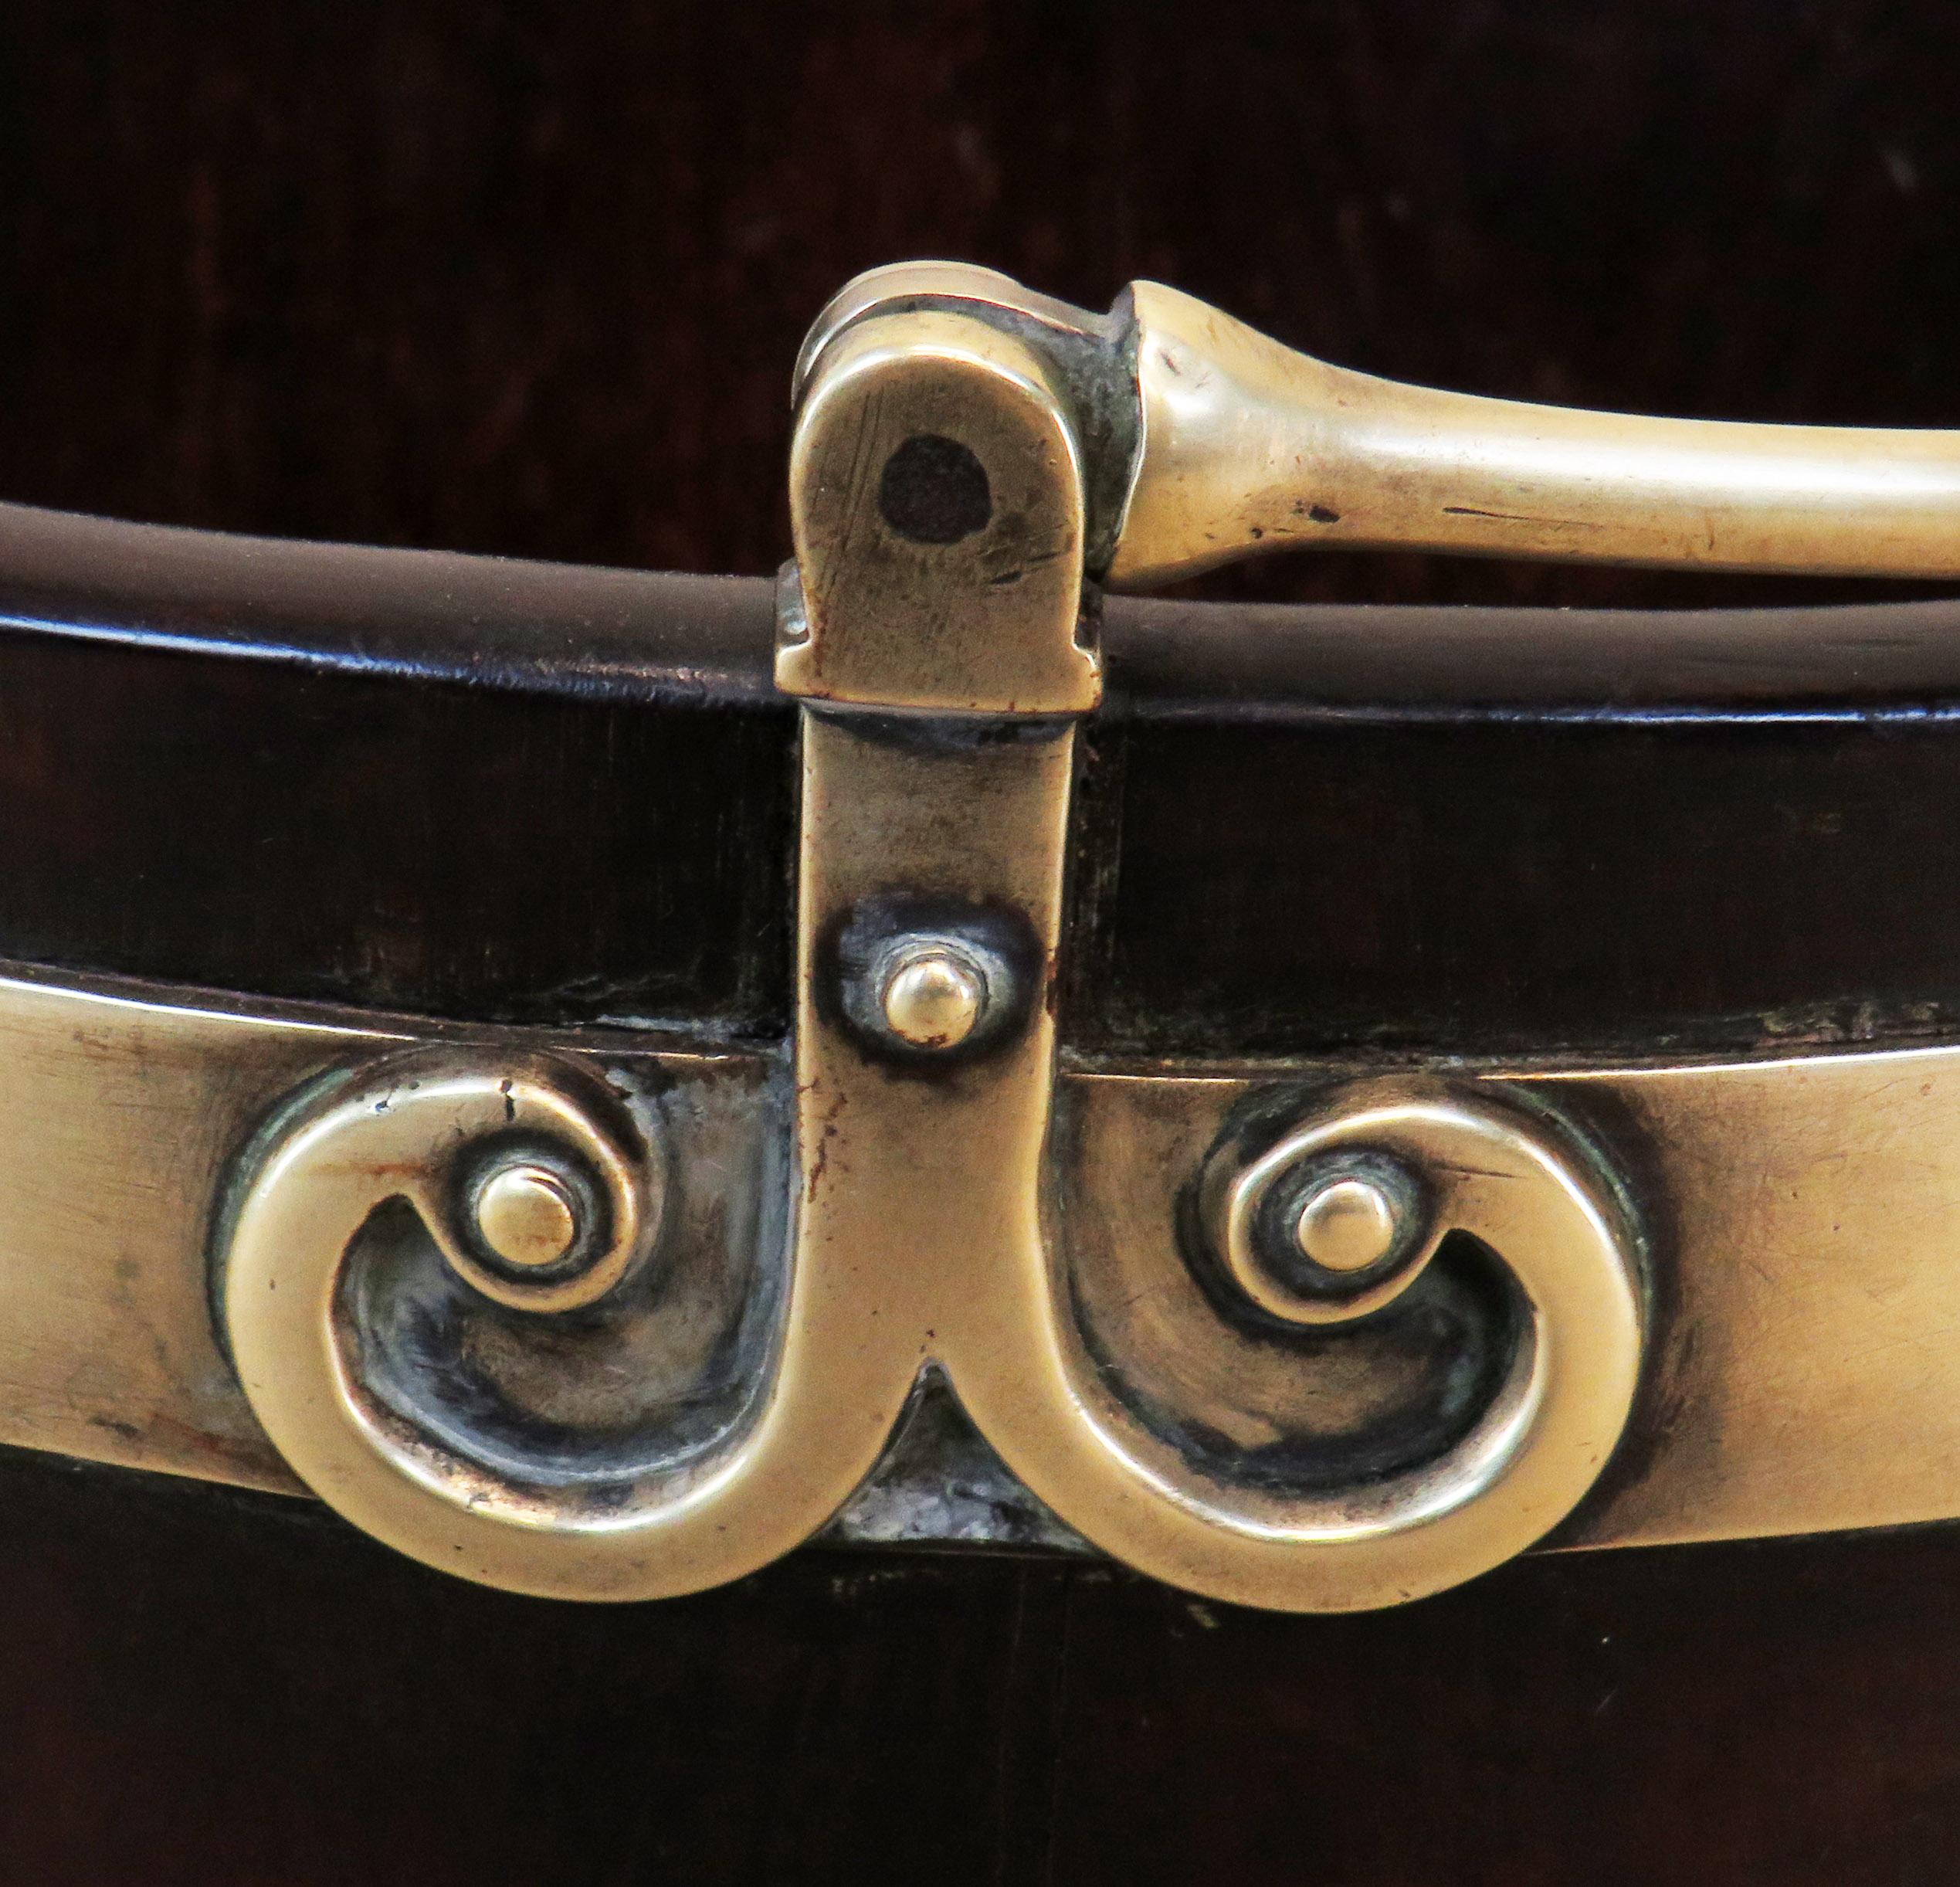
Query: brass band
point(623, 1314)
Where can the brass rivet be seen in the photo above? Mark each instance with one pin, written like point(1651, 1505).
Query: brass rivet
point(1346, 1225)
point(526, 1216)
point(932, 998)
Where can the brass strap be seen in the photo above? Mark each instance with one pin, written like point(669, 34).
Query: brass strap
point(614, 1317)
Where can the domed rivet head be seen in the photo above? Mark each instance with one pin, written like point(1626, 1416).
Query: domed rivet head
point(1347, 1225)
point(526, 1216)
point(932, 996)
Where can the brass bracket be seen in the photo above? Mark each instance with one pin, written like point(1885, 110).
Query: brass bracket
point(1207, 442)
point(935, 817)
point(620, 1324)
point(936, 497)
point(939, 635)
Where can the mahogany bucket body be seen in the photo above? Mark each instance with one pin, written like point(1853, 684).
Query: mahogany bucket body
point(352, 278)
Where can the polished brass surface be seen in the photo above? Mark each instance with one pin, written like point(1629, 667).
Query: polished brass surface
point(526, 1215)
point(1249, 447)
point(920, 1204)
point(902, 287)
point(122, 1120)
point(1802, 1217)
point(1275, 1520)
point(122, 1110)
point(1801, 1214)
point(1084, 358)
point(1235, 445)
point(1367, 1232)
point(921, 1207)
point(1347, 1225)
point(936, 499)
point(927, 599)
point(1289, 1336)
point(933, 997)
point(526, 1222)
point(293, 1234)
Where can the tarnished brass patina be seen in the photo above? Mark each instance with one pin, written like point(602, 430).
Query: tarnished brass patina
point(935, 467)
point(1230, 444)
point(526, 1216)
point(611, 1315)
point(1802, 1216)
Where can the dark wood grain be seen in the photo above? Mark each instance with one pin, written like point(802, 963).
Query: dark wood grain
point(1508, 884)
point(438, 848)
point(460, 786)
point(512, 792)
point(200, 1687)
point(481, 275)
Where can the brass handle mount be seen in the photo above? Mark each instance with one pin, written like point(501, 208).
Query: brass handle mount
point(1206, 442)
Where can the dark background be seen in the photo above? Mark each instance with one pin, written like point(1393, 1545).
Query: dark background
point(528, 278)
point(200, 1687)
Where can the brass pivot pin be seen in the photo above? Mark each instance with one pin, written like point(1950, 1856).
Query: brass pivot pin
point(1205, 442)
point(1346, 1225)
point(933, 995)
point(526, 1216)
